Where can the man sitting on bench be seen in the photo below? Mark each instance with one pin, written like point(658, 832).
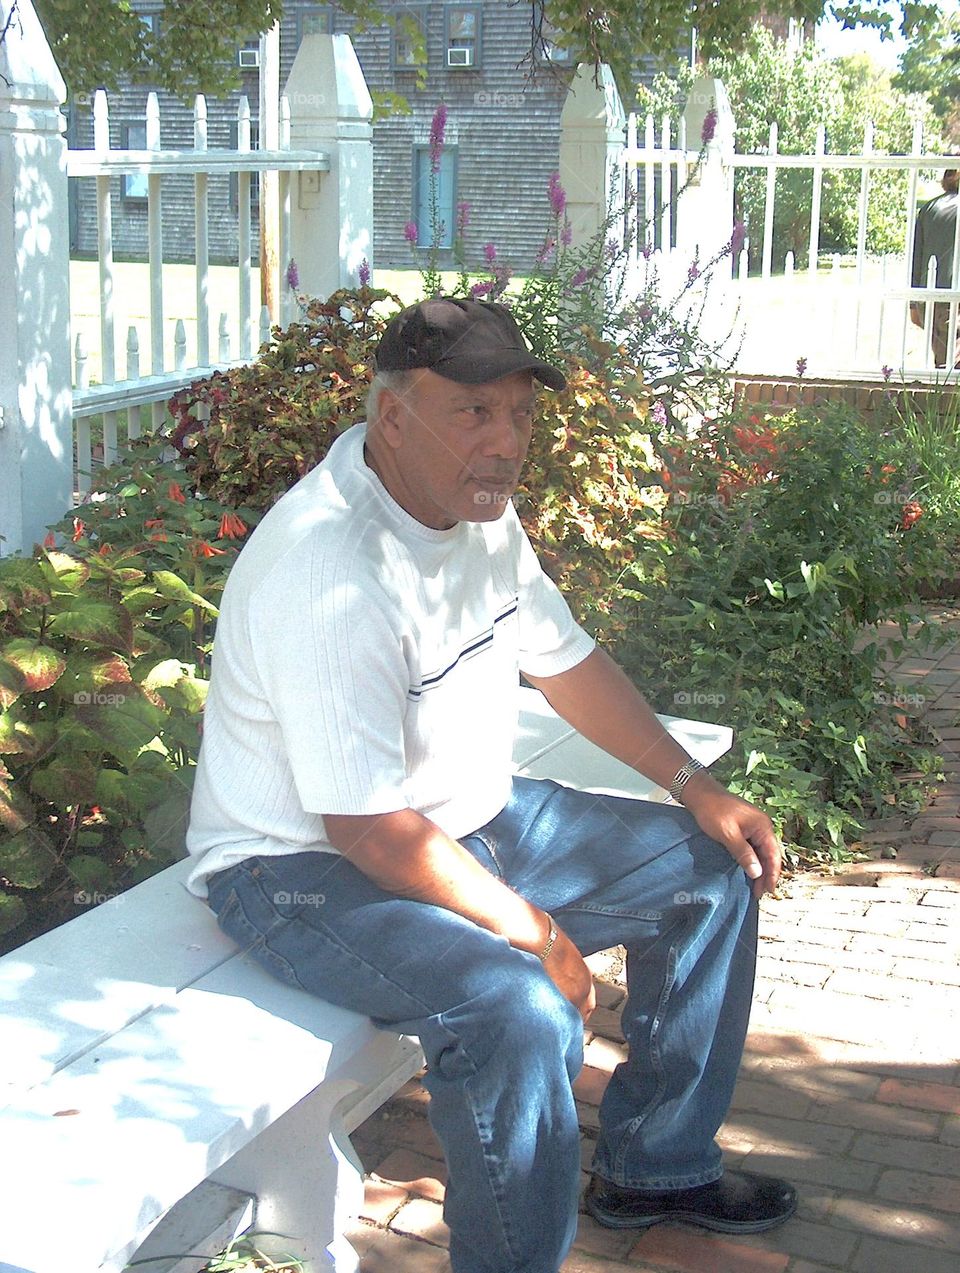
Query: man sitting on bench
point(359, 831)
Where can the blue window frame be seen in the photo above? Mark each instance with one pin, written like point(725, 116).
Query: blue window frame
point(446, 180)
point(134, 185)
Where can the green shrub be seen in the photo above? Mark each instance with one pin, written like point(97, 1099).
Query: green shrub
point(785, 541)
point(272, 421)
point(99, 720)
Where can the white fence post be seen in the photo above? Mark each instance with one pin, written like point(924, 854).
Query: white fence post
point(36, 444)
point(592, 134)
point(705, 211)
point(331, 217)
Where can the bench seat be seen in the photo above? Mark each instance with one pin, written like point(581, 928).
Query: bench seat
point(143, 1056)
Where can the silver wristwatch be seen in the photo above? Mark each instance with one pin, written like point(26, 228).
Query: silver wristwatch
point(682, 778)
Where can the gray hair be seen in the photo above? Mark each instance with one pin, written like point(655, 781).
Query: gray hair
point(397, 382)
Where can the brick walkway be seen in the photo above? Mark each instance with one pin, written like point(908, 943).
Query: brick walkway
point(850, 1084)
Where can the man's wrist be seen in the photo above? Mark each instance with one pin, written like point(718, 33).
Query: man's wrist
point(701, 783)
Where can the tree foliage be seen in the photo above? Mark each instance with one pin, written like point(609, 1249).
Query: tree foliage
point(98, 42)
point(931, 65)
point(768, 84)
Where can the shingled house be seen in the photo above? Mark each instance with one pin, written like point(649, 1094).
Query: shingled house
point(501, 144)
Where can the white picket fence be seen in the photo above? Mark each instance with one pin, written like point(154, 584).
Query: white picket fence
point(844, 317)
point(322, 208)
point(134, 391)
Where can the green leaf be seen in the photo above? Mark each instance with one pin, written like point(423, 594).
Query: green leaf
point(12, 683)
point(22, 583)
point(67, 781)
point(101, 623)
point(27, 858)
point(12, 912)
point(755, 758)
point(40, 665)
point(91, 875)
point(173, 587)
point(124, 720)
point(24, 738)
point(65, 573)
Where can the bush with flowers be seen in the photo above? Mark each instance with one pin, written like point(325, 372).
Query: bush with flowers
point(785, 542)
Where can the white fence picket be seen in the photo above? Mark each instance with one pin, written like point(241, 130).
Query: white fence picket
point(133, 373)
point(243, 232)
point(201, 230)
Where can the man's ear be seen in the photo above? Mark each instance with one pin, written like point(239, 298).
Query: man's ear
point(391, 413)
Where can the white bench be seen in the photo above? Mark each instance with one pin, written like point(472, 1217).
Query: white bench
point(150, 1072)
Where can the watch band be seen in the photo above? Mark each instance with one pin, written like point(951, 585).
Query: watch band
point(551, 938)
point(683, 776)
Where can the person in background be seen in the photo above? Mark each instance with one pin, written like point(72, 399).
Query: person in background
point(936, 236)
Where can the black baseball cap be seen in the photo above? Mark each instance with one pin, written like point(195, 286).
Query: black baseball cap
point(470, 341)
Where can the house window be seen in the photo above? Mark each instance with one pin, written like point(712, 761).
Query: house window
point(314, 19)
point(462, 39)
point(404, 54)
point(134, 185)
point(446, 185)
point(254, 176)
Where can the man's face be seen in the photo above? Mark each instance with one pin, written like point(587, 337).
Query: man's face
point(456, 451)
point(950, 179)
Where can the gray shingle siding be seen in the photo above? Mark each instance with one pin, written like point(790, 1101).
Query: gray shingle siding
point(503, 122)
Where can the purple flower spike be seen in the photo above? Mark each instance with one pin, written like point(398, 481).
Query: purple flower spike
point(481, 289)
point(489, 253)
point(738, 238)
point(364, 273)
point(438, 128)
point(463, 218)
point(709, 126)
point(693, 273)
point(558, 196)
point(886, 372)
point(546, 251)
point(410, 232)
point(566, 234)
point(801, 367)
point(647, 251)
point(658, 413)
point(581, 276)
point(293, 276)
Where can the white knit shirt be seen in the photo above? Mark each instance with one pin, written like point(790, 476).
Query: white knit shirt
point(365, 663)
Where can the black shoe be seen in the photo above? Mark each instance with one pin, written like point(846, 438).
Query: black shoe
point(739, 1202)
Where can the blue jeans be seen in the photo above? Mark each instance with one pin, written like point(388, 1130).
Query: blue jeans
point(503, 1046)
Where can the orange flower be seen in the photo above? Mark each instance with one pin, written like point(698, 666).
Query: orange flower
point(912, 512)
point(200, 548)
point(78, 529)
point(231, 527)
point(153, 523)
point(50, 540)
point(158, 539)
point(104, 549)
point(174, 492)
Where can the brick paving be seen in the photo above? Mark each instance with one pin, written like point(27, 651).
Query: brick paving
point(850, 1083)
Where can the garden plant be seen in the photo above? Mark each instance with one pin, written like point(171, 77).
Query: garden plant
point(736, 564)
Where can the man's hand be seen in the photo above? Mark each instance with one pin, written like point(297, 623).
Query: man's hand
point(566, 968)
point(744, 830)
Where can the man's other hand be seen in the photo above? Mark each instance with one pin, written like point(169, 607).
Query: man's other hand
point(569, 973)
point(744, 830)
